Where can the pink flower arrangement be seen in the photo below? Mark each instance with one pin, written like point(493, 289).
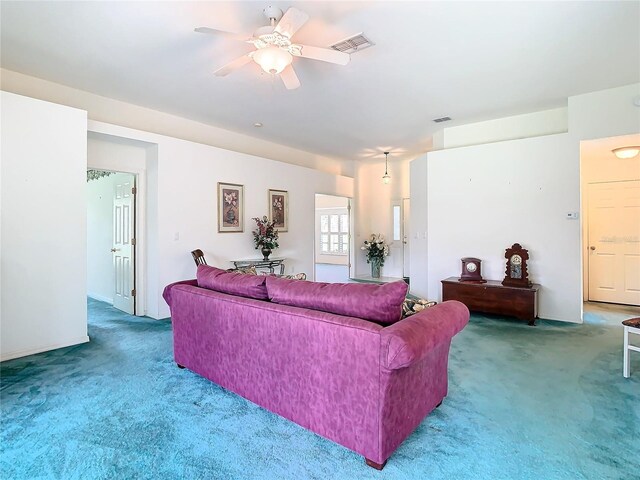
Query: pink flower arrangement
point(265, 234)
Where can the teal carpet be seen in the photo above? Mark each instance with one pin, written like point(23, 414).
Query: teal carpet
point(546, 402)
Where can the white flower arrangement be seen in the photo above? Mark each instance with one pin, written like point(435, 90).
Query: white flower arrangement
point(376, 248)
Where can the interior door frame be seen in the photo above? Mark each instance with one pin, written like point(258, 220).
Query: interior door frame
point(351, 259)
point(586, 258)
point(134, 237)
point(139, 228)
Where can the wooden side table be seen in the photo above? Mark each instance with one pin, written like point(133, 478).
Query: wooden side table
point(493, 297)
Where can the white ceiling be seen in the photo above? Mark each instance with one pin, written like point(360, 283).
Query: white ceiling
point(468, 60)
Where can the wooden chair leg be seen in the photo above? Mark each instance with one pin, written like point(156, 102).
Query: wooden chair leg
point(372, 464)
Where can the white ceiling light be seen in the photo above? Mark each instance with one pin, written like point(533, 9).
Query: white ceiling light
point(273, 59)
point(626, 152)
point(274, 49)
point(386, 178)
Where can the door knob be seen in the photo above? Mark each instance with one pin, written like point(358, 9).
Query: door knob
point(114, 250)
point(592, 247)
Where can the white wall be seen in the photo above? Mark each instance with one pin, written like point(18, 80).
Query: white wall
point(607, 113)
point(183, 190)
point(43, 226)
point(536, 124)
point(126, 114)
point(418, 250)
point(476, 175)
point(100, 273)
point(483, 199)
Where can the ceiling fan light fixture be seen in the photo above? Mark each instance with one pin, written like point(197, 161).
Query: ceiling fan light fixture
point(626, 152)
point(273, 59)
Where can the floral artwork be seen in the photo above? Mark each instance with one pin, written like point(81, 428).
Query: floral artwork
point(230, 207)
point(279, 209)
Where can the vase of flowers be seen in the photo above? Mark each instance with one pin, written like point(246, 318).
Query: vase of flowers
point(376, 249)
point(265, 236)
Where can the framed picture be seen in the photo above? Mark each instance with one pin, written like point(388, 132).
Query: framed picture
point(230, 207)
point(279, 209)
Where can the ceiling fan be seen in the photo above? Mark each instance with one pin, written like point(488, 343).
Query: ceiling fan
point(274, 50)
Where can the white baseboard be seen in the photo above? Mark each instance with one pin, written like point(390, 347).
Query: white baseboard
point(46, 348)
point(101, 298)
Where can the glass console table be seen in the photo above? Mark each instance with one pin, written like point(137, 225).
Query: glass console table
point(370, 279)
point(271, 264)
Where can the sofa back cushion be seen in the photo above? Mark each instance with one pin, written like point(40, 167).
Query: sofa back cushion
point(380, 303)
point(233, 283)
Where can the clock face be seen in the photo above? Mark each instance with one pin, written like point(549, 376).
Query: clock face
point(516, 266)
point(471, 267)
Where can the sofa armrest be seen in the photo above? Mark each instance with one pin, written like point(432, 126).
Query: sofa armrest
point(410, 340)
point(166, 294)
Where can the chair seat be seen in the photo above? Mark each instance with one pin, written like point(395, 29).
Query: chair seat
point(632, 322)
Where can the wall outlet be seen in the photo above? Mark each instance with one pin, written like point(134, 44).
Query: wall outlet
point(572, 215)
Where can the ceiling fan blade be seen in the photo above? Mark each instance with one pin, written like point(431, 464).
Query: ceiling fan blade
point(222, 33)
point(324, 54)
point(290, 78)
point(234, 65)
point(291, 21)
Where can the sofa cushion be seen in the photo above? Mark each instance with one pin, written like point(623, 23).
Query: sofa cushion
point(380, 303)
point(233, 283)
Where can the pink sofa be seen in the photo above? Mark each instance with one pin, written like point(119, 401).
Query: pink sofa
point(362, 384)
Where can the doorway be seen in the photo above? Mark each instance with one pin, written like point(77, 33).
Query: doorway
point(332, 262)
point(401, 257)
point(614, 247)
point(611, 222)
point(111, 238)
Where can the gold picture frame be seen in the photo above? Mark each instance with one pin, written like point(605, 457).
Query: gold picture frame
point(279, 209)
point(230, 208)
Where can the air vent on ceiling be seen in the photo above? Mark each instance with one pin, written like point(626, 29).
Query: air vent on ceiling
point(442, 119)
point(353, 44)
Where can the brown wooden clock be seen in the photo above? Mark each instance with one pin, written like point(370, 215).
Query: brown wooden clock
point(471, 270)
point(516, 274)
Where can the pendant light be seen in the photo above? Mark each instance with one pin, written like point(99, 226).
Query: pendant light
point(386, 178)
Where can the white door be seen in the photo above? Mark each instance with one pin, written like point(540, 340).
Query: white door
point(406, 232)
point(614, 242)
point(124, 245)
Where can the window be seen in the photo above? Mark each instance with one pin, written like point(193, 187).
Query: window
point(396, 222)
point(334, 234)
